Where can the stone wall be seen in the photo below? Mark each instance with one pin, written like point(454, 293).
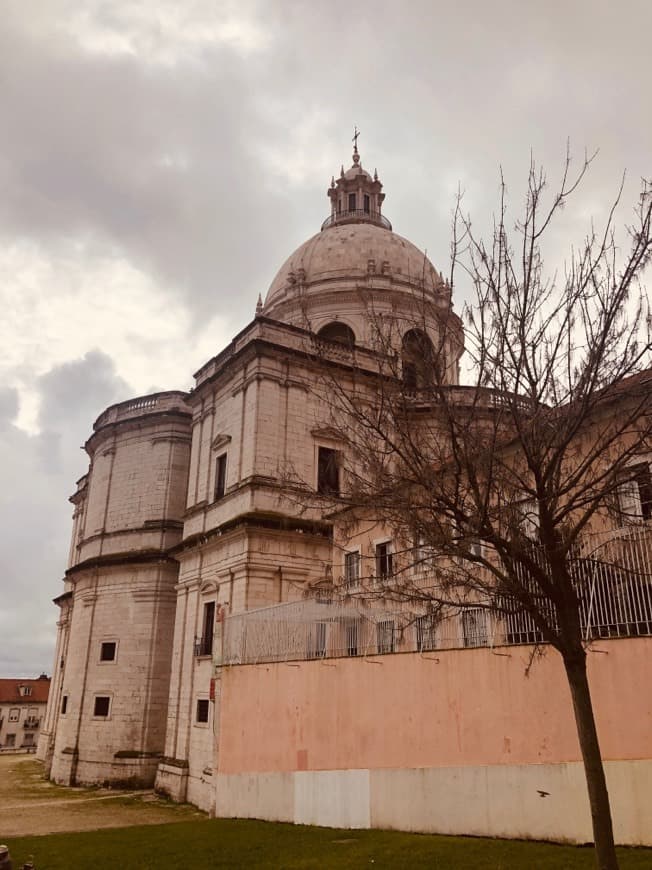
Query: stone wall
point(117, 615)
point(454, 741)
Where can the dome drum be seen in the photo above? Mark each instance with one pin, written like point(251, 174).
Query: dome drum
point(356, 216)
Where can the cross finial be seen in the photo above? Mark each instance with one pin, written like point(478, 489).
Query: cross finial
point(356, 156)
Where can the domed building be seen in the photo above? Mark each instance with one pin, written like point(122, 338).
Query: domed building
point(194, 506)
point(216, 639)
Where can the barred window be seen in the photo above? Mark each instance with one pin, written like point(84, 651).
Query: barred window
point(426, 632)
point(385, 632)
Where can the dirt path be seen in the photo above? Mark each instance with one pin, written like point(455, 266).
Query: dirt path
point(30, 805)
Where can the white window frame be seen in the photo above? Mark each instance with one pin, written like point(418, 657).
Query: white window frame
point(475, 627)
point(196, 722)
point(424, 555)
point(347, 581)
point(630, 503)
point(389, 553)
point(112, 661)
point(352, 635)
point(387, 626)
point(317, 640)
point(476, 544)
point(426, 627)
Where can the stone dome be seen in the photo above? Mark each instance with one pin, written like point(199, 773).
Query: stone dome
point(357, 275)
point(355, 171)
point(346, 252)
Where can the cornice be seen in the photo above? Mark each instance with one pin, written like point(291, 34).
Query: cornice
point(254, 521)
point(116, 560)
point(135, 424)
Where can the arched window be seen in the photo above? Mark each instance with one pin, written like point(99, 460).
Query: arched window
point(339, 332)
point(417, 359)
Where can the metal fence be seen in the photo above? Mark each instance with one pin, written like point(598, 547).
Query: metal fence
point(613, 579)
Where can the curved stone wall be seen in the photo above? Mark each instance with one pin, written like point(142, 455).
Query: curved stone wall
point(114, 677)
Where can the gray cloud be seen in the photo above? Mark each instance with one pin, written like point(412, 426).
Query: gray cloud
point(8, 406)
point(37, 475)
point(194, 144)
point(165, 162)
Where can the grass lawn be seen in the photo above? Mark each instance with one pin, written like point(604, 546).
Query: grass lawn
point(251, 844)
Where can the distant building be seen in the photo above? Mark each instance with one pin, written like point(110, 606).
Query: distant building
point(22, 708)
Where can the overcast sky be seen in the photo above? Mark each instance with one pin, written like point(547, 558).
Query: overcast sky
point(160, 160)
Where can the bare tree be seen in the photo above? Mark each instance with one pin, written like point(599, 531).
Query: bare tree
point(508, 481)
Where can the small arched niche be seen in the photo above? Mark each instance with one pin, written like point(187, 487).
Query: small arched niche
point(417, 360)
point(339, 332)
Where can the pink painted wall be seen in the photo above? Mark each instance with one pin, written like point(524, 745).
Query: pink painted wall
point(446, 708)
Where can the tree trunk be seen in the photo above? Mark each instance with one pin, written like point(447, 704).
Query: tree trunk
point(605, 851)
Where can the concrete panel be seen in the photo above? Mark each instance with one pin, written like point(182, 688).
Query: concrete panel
point(630, 790)
point(255, 796)
point(545, 801)
point(333, 798)
point(539, 801)
point(200, 791)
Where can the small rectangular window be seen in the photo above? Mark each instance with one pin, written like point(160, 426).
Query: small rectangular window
point(11, 740)
point(328, 472)
point(220, 476)
point(352, 202)
point(385, 636)
point(351, 569)
point(317, 641)
point(384, 560)
point(202, 710)
point(635, 493)
point(107, 651)
point(474, 626)
point(424, 554)
point(25, 691)
point(64, 705)
point(366, 203)
point(425, 633)
point(204, 643)
point(102, 706)
point(14, 714)
point(352, 629)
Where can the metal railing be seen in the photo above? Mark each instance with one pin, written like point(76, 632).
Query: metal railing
point(204, 645)
point(612, 572)
point(356, 215)
point(142, 405)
